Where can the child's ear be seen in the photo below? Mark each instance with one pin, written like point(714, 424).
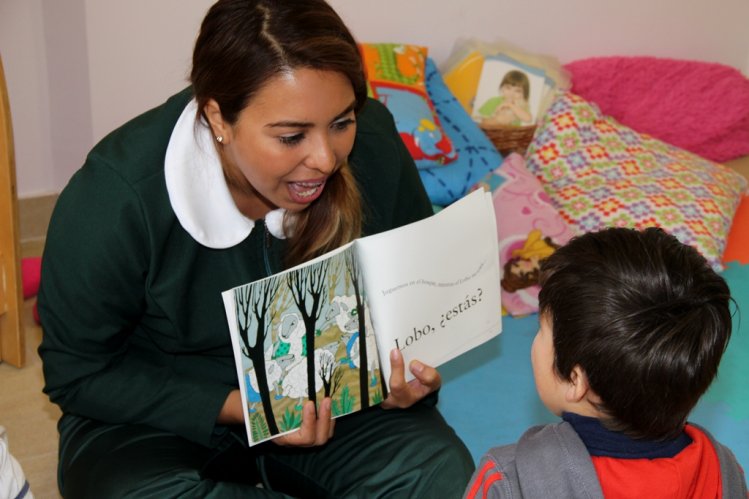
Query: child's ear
point(577, 387)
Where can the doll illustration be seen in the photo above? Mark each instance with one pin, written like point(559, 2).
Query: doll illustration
point(522, 269)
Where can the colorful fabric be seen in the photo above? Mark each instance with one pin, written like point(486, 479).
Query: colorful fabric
point(395, 74)
point(529, 230)
point(599, 173)
point(477, 156)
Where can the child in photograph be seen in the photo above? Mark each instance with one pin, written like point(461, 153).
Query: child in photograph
point(511, 106)
point(633, 325)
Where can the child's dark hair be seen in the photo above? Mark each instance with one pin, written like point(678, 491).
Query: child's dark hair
point(645, 317)
point(518, 79)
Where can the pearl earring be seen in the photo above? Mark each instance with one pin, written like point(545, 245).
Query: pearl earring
point(219, 139)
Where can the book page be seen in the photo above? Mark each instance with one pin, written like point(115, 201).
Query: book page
point(433, 286)
point(298, 333)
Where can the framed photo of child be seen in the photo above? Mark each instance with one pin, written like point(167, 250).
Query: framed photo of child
point(509, 93)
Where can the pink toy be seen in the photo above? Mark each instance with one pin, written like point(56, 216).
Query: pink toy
point(31, 270)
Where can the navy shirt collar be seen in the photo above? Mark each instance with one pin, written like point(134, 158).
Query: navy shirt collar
point(602, 442)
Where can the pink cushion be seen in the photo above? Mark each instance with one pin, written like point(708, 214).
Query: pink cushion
point(31, 269)
point(529, 229)
point(698, 106)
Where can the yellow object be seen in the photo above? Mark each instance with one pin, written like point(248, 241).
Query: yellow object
point(425, 124)
point(534, 247)
point(463, 79)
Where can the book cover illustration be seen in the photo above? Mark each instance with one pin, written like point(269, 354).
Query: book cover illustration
point(309, 332)
point(300, 338)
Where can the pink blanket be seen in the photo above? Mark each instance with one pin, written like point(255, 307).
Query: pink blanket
point(698, 106)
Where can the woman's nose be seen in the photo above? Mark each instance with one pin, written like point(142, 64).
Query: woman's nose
point(321, 156)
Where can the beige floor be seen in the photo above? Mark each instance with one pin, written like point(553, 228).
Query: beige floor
point(29, 417)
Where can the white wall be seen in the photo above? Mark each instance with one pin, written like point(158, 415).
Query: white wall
point(569, 30)
point(25, 64)
point(140, 53)
point(68, 112)
point(78, 68)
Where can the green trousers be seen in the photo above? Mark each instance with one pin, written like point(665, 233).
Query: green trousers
point(375, 453)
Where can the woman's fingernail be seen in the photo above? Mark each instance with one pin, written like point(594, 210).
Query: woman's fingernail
point(395, 354)
point(417, 366)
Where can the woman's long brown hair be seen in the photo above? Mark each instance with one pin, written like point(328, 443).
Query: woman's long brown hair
point(242, 45)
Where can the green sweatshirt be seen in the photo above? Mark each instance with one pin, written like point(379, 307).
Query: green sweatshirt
point(130, 301)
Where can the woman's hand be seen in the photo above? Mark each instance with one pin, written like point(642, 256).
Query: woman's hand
point(231, 412)
point(402, 394)
point(315, 429)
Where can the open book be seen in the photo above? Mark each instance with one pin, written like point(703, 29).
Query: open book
point(326, 327)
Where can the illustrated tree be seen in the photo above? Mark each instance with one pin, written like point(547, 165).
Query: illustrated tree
point(330, 374)
point(352, 266)
point(257, 304)
point(307, 287)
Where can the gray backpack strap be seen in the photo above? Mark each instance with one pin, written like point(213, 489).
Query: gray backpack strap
point(731, 475)
point(552, 461)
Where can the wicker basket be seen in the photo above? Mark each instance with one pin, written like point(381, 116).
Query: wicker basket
point(508, 139)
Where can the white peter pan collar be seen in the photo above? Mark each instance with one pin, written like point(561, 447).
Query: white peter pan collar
point(197, 188)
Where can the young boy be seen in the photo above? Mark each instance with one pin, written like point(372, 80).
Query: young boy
point(632, 328)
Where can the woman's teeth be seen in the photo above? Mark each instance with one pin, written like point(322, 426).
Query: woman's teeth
point(306, 189)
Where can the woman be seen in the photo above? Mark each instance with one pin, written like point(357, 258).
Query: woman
point(273, 156)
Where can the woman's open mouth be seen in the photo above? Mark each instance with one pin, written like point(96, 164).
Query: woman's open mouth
point(306, 192)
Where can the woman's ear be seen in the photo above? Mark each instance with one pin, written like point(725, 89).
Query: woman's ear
point(220, 129)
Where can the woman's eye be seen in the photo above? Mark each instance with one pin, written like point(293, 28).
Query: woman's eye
point(290, 140)
point(341, 125)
